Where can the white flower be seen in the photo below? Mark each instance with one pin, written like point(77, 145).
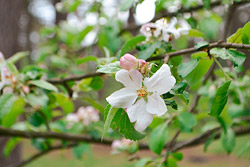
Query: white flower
point(6, 77)
point(88, 115)
point(120, 145)
point(142, 98)
point(72, 117)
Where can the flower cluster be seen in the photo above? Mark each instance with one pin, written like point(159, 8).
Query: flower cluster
point(165, 30)
point(141, 96)
point(121, 145)
point(86, 115)
point(7, 79)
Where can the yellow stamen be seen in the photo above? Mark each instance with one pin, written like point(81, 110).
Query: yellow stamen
point(141, 92)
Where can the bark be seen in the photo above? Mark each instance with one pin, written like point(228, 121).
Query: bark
point(10, 12)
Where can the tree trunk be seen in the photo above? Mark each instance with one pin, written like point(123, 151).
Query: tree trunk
point(10, 12)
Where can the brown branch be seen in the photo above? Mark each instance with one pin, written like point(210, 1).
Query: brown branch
point(74, 78)
point(39, 154)
point(210, 46)
point(172, 54)
point(204, 136)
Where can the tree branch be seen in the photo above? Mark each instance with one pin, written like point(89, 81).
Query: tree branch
point(39, 154)
point(172, 54)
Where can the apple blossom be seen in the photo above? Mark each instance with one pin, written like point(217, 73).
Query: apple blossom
point(141, 97)
point(6, 77)
point(86, 115)
point(120, 145)
point(128, 62)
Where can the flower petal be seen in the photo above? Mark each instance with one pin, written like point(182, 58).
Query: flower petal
point(143, 121)
point(156, 105)
point(122, 98)
point(161, 82)
point(131, 79)
point(135, 111)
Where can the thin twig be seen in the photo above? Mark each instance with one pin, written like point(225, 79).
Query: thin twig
point(39, 154)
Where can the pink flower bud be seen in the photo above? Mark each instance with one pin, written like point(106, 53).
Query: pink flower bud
point(128, 62)
point(142, 62)
point(26, 89)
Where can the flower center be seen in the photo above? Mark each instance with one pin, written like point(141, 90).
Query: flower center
point(141, 92)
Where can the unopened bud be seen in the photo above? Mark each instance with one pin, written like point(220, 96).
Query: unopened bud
point(128, 62)
point(26, 89)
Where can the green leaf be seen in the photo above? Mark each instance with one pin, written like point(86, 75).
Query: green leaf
point(109, 113)
point(171, 103)
point(109, 68)
point(36, 119)
point(209, 141)
point(194, 79)
point(187, 121)
point(17, 108)
point(142, 162)
point(236, 37)
point(96, 83)
point(17, 56)
point(179, 87)
point(6, 103)
point(80, 149)
point(64, 102)
point(126, 5)
point(44, 84)
point(132, 43)
point(158, 138)
point(196, 33)
point(228, 140)
point(122, 122)
point(201, 45)
point(171, 162)
point(220, 99)
point(236, 57)
point(177, 156)
point(206, 4)
point(148, 52)
point(86, 59)
point(95, 104)
point(10, 145)
point(83, 34)
point(246, 34)
point(186, 68)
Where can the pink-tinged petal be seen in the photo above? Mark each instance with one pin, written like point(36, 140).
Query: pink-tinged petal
point(136, 110)
point(143, 121)
point(131, 79)
point(128, 62)
point(122, 98)
point(161, 81)
point(156, 105)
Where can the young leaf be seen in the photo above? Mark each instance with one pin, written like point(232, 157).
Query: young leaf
point(6, 104)
point(209, 141)
point(64, 102)
point(236, 37)
point(236, 57)
point(109, 68)
point(158, 138)
point(195, 78)
point(228, 140)
point(186, 68)
point(132, 43)
point(246, 34)
point(44, 84)
point(17, 108)
point(17, 56)
point(187, 121)
point(96, 83)
point(122, 122)
point(201, 45)
point(109, 113)
point(86, 59)
point(220, 99)
point(196, 33)
point(80, 149)
point(207, 4)
point(148, 52)
point(10, 145)
point(36, 119)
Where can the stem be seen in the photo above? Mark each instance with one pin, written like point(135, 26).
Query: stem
point(227, 77)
